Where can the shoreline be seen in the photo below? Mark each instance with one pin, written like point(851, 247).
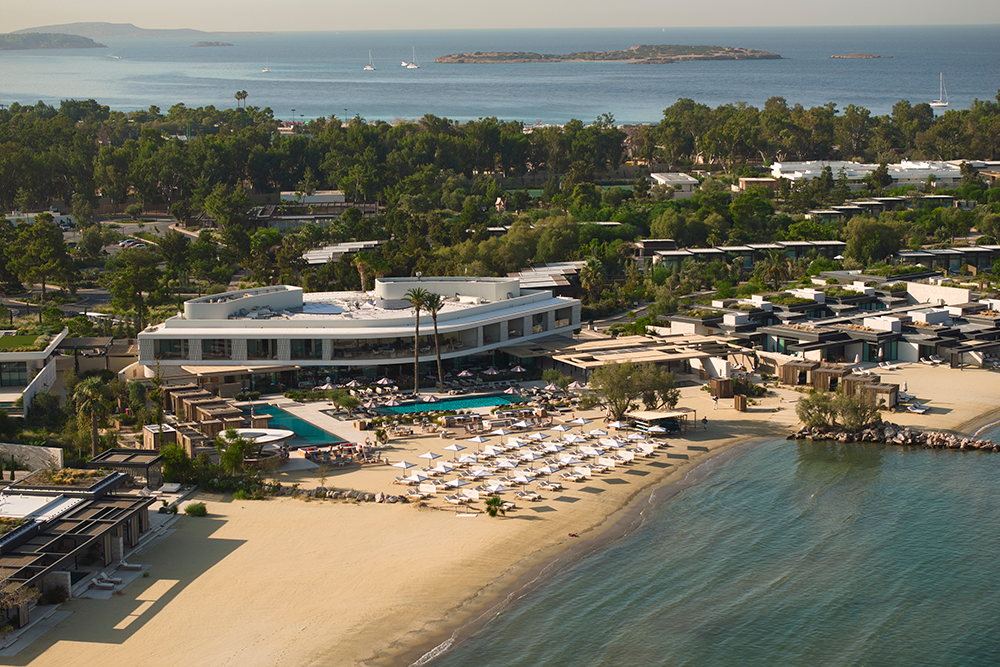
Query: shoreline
point(464, 621)
point(614, 527)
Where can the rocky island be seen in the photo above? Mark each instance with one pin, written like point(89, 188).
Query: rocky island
point(213, 44)
point(46, 40)
point(646, 54)
point(855, 56)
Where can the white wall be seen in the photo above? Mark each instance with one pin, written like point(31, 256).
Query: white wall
point(42, 382)
point(936, 294)
point(221, 306)
point(490, 289)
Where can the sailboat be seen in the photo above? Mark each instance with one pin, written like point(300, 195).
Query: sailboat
point(266, 68)
point(413, 63)
point(369, 67)
point(942, 100)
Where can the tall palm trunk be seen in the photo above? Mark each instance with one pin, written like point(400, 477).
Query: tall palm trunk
point(94, 442)
point(416, 352)
point(437, 350)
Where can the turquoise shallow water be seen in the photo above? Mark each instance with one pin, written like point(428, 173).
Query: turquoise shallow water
point(784, 554)
point(305, 433)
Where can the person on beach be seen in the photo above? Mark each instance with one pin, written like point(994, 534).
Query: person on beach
point(715, 402)
point(704, 422)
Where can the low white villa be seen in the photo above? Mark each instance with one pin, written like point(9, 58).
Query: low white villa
point(284, 327)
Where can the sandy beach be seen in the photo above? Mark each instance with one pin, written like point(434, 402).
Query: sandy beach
point(318, 582)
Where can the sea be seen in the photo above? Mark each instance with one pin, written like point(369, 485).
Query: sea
point(320, 74)
point(781, 553)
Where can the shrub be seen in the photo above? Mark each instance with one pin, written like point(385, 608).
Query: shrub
point(241, 495)
point(196, 509)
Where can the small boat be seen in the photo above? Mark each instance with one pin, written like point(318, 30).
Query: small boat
point(413, 63)
point(369, 67)
point(942, 100)
point(266, 69)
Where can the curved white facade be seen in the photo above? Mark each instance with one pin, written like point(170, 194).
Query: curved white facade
point(282, 325)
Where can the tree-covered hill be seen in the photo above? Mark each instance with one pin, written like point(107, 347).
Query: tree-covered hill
point(46, 40)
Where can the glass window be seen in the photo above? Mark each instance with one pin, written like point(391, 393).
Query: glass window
point(262, 349)
point(171, 349)
point(307, 349)
point(216, 348)
point(14, 374)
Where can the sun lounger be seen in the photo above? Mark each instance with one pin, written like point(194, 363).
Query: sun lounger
point(926, 361)
point(917, 408)
point(102, 576)
point(103, 585)
point(527, 495)
point(936, 359)
point(455, 499)
point(129, 566)
point(415, 495)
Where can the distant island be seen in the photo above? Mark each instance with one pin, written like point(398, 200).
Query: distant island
point(213, 44)
point(850, 56)
point(45, 40)
point(103, 30)
point(662, 54)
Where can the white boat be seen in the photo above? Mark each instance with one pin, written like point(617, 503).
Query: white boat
point(413, 63)
point(942, 100)
point(266, 69)
point(369, 67)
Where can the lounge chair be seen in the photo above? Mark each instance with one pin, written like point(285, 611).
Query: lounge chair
point(111, 580)
point(103, 585)
point(935, 359)
point(927, 361)
point(918, 408)
point(415, 495)
point(527, 495)
point(455, 499)
point(122, 565)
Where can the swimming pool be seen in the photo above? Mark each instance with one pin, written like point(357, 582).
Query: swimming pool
point(453, 404)
point(306, 434)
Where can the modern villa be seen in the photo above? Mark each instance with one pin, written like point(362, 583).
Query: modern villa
point(282, 328)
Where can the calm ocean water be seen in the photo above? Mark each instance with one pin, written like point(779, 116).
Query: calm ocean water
point(785, 554)
point(320, 74)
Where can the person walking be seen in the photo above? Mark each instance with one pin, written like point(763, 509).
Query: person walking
point(704, 422)
point(715, 402)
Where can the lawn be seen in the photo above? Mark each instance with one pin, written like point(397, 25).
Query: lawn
point(14, 342)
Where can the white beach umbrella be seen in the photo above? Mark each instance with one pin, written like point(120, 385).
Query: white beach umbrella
point(656, 428)
point(383, 381)
point(609, 442)
point(559, 428)
point(507, 464)
point(596, 432)
point(430, 399)
point(538, 437)
point(617, 424)
point(353, 384)
point(479, 473)
point(466, 374)
point(547, 470)
point(573, 439)
point(635, 436)
point(904, 386)
point(393, 403)
point(455, 483)
point(575, 385)
point(468, 459)
point(857, 358)
point(455, 447)
point(478, 439)
point(442, 468)
point(491, 371)
point(522, 424)
point(553, 448)
point(405, 465)
point(551, 387)
point(430, 456)
point(517, 369)
point(416, 478)
point(501, 432)
point(497, 488)
point(510, 391)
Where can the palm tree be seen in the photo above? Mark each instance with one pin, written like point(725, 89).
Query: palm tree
point(776, 267)
point(91, 397)
point(433, 305)
point(494, 506)
point(362, 261)
point(417, 296)
point(592, 277)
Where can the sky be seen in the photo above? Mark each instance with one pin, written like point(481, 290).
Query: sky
point(299, 15)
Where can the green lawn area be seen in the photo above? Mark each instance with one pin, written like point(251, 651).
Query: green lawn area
point(11, 342)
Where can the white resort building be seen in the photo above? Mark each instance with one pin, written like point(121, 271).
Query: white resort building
point(281, 328)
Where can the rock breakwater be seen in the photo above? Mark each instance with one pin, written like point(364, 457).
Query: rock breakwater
point(894, 434)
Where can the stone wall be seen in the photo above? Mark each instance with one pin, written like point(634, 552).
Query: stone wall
point(34, 458)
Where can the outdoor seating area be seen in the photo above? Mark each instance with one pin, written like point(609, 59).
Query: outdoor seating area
point(527, 459)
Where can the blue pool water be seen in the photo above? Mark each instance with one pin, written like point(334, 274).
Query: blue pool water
point(454, 404)
point(306, 434)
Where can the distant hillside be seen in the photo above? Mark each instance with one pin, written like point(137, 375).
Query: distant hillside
point(99, 30)
point(46, 40)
